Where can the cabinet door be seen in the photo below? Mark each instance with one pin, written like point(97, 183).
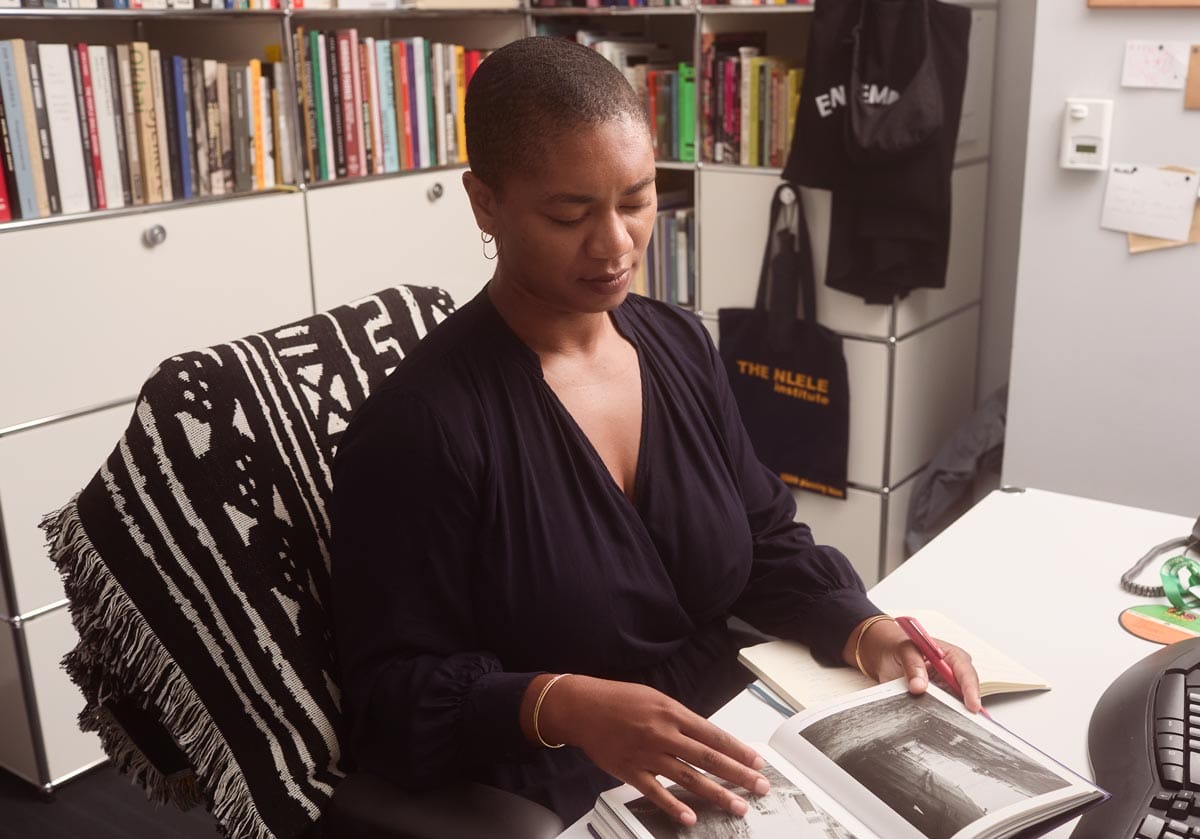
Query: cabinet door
point(87, 309)
point(16, 745)
point(40, 469)
point(416, 229)
point(851, 525)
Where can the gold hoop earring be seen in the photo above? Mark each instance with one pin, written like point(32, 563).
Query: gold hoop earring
point(488, 239)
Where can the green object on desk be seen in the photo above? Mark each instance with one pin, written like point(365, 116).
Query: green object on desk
point(1180, 574)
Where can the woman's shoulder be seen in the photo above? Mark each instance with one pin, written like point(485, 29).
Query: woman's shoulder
point(669, 328)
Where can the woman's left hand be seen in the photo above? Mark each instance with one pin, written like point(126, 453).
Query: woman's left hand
point(887, 653)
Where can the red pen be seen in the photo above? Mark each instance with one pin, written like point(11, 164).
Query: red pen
point(932, 653)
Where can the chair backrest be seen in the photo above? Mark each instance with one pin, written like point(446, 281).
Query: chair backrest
point(197, 565)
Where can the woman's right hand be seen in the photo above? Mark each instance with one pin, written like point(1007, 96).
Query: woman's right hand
point(634, 733)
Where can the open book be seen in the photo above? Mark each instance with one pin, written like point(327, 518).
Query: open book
point(789, 669)
point(879, 764)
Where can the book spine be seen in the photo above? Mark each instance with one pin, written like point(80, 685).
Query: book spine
point(243, 178)
point(732, 130)
point(85, 142)
point(304, 89)
point(8, 187)
point(450, 135)
point(29, 122)
point(764, 113)
point(18, 133)
point(430, 111)
point(162, 129)
point(707, 52)
point(45, 141)
point(652, 108)
point(266, 163)
point(745, 55)
point(141, 80)
point(225, 117)
point(718, 114)
point(337, 123)
point(285, 146)
point(198, 127)
point(402, 70)
point(183, 120)
point(379, 149)
point(356, 107)
point(212, 125)
point(673, 119)
point(93, 129)
point(325, 97)
point(320, 103)
point(129, 115)
point(460, 102)
point(687, 113)
point(258, 128)
point(116, 95)
point(364, 109)
point(345, 95)
point(419, 102)
point(174, 143)
point(387, 100)
point(438, 135)
point(106, 126)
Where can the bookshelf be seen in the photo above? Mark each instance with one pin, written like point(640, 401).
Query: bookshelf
point(90, 301)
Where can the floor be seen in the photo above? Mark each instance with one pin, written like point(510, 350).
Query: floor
point(98, 805)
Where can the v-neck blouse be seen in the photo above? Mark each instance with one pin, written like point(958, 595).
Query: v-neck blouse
point(479, 539)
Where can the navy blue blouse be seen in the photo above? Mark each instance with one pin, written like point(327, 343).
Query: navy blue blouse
point(479, 540)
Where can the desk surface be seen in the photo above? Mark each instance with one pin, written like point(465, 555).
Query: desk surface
point(1036, 574)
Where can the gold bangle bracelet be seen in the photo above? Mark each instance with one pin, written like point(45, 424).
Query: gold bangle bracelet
point(537, 709)
point(858, 643)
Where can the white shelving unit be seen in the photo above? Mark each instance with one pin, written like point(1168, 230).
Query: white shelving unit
point(87, 308)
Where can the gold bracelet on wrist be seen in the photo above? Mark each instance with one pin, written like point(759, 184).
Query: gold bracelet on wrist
point(858, 643)
point(537, 708)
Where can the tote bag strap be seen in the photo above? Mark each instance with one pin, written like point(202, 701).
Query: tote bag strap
point(786, 277)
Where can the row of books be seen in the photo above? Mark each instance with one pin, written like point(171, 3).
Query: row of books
point(668, 272)
point(748, 100)
point(374, 106)
point(667, 86)
point(261, 4)
point(90, 127)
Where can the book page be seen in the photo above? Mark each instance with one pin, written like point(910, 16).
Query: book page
point(921, 767)
point(789, 669)
point(795, 808)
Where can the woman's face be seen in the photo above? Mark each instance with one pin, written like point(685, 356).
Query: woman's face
point(572, 235)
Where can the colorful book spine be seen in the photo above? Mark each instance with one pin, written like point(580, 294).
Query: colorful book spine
point(137, 188)
point(335, 110)
point(116, 96)
point(182, 145)
point(387, 99)
point(17, 135)
point(316, 57)
point(460, 102)
point(7, 168)
point(93, 128)
point(225, 115)
point(36, 162)
point(304, 85)
point(687, 113)
point(243, 164)
point(402, 67)
point(172, 141)
point(45, 145)
point(254, 82)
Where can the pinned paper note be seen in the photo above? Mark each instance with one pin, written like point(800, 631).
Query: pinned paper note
point(1191, 93)
point(1158, 64)
point(1143, 244)
point(1150, 201)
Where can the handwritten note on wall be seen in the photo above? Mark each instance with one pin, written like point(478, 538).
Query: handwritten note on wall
point(1159, 64)
point(1150, 201)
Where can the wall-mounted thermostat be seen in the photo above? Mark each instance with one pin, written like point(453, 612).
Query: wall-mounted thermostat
point(1086, 133)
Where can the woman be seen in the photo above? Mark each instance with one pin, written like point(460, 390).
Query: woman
point(556, 481)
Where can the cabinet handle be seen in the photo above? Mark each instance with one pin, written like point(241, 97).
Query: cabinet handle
point(434, 192)
point(154, 236)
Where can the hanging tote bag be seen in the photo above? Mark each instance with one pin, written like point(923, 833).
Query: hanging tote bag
point(788, 373)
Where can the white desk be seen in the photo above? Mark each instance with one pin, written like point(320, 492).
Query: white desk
point(1035, 574)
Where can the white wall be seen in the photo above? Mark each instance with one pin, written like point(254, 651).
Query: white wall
point(1010, 123)
point(1105, 380)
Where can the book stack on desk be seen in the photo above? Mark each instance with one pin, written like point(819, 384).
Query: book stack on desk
point(789, 669)
point(878, 764)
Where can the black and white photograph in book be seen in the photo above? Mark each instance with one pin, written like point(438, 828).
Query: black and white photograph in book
point(783, 813)
point(928, 763)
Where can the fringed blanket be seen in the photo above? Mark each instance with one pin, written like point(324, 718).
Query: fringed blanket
point(197, 566)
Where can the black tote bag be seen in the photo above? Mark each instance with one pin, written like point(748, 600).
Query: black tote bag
point(787, 374)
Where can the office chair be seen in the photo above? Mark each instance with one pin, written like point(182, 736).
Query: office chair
point(196, 562)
